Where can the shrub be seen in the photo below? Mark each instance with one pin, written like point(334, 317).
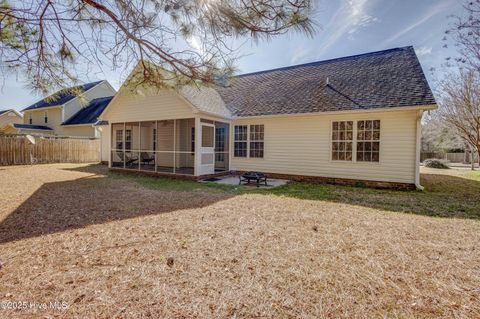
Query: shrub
point(436, 163)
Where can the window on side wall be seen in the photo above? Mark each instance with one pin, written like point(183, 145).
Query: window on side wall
point(30, 120)
point(45, 117)
point(342, 140)
point(240, 141)
point(119, 139)
point(368, 141)
point(128, 139)
point(256, 141)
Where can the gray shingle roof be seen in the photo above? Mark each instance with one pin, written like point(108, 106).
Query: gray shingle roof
point(61, 97)
point(90, 113)
point(390, 78)
point(205, 99)
point(32, 127)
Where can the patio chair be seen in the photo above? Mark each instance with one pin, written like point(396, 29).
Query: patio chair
point(130, 159)
point(145, 158)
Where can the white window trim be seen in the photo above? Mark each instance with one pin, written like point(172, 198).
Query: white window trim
point(352, 140)
point(354, 146)
point(379, 141)
point(248, 141)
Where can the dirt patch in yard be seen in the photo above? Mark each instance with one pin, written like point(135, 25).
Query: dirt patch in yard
point(115, 249)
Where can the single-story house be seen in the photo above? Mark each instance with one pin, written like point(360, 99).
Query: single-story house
point(352, 120)
point(8, 118)
point(69, 112)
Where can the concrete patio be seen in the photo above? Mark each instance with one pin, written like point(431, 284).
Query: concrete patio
point(234, 180)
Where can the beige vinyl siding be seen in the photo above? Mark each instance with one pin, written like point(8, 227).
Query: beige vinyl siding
point(105, 143)
point(9, 130)
point(54, 118)
point(84, 130)
point(301, 146)
point(10, 118)
point(162, 105)
point(75, 105)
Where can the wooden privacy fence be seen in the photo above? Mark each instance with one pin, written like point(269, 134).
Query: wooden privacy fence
point(17, 150)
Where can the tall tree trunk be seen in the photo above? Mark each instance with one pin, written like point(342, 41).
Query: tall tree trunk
point(478, 157)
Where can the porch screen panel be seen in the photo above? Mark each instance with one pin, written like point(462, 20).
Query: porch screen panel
point(185, 148)
point(147, 145)
point(117, 152)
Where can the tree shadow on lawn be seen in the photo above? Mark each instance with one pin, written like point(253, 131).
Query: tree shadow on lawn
point(105, 196)
point(60, 206)
point(445, 195)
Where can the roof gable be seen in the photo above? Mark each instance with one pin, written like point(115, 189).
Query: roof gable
point(90, 113)
point(61, 97)
point(4, 112)
point(390, 78)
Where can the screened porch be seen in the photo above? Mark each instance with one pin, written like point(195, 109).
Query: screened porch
point(170, 146)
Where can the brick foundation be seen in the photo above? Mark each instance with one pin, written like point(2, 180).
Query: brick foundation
point(297, 178)
point(340, 181)
point(162, 174)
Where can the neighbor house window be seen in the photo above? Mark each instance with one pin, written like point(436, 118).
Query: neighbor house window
point(256, 140)
point(30, 120)
point(119, 139)
point(45, 117)
point(342, 141)
point(368, 141)
point(128, 139)
point(240, 141)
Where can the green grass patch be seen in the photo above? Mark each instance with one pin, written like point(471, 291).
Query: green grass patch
point(455, 194)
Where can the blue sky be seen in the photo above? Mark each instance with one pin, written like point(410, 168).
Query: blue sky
point(345, 27)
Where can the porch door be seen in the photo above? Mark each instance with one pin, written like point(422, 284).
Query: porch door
point(207, 149)
point(220, 147)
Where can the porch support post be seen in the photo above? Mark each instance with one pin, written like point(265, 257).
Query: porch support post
point(174, 146)
point(198, 138)
point(156, 145)
point(139, 145)
point(110, 127)
point(123, 145)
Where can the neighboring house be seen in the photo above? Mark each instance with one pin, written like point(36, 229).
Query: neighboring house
point(352, 120)
point(8, 118)
point(72, 112)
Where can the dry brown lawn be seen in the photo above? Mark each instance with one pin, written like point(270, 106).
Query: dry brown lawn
point(111, 248)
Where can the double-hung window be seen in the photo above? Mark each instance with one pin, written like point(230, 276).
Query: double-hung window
point(368, 141)
point(249, 141)
point(356, 141)
point(240, 141)
point(119, 139)
point(256, 141)
point(128, 139)
point(342, 141)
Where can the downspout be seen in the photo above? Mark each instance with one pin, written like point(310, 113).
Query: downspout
point(417, 150)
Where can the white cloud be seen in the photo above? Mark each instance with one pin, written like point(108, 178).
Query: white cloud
point(433, 11)
point(347, 20)
point(423, 51)
point(300, 54)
